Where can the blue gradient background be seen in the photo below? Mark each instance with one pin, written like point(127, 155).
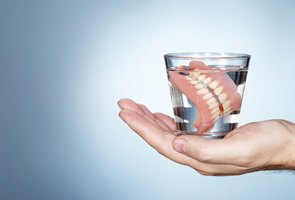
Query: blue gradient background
point(64, 65)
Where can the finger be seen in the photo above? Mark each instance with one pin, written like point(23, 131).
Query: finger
point(222, 151)
point(169, 121)
point(158, 138)
point(146, 111)
point(150, 132)
point(222, 170)
point(129, 104)
point(162, 142)
point(154, 118)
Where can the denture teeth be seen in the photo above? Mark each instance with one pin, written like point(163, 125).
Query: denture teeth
point(215, 116)
point(227, 111)
point(202, 77)
point(200, 86)
point(208, 96)
point(195, 74)
point(188, 78)
point(211, 101)
point(226, 105)
point(194, 82)
point(208, 80)
point(218, 90)
point(214, 110)
point(214, 105)
point(213, 85)
point(203, 91)
point(222, 97)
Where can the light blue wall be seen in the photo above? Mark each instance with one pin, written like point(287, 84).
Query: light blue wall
point(64, 64)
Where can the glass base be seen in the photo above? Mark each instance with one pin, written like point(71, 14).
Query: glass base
point(208, 135)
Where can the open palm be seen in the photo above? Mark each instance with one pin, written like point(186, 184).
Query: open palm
point(255, 146)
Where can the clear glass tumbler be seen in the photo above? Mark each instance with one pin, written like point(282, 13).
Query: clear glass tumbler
point(206, 91)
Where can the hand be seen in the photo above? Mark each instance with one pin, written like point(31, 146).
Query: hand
point(256, 146)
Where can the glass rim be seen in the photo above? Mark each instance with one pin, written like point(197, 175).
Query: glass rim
point(207, 55)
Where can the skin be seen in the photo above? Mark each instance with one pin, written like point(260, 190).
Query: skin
point(265, 145)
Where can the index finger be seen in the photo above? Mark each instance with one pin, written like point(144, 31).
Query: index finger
point(159, 139)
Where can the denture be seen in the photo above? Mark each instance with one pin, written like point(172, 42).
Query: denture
point(211, 90)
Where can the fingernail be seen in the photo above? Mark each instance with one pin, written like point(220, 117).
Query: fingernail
point(119, 104)
point(178, 145)
point(120, 114)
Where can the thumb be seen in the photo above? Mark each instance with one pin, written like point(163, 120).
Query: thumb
point(206, 150)
point(192, 146)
